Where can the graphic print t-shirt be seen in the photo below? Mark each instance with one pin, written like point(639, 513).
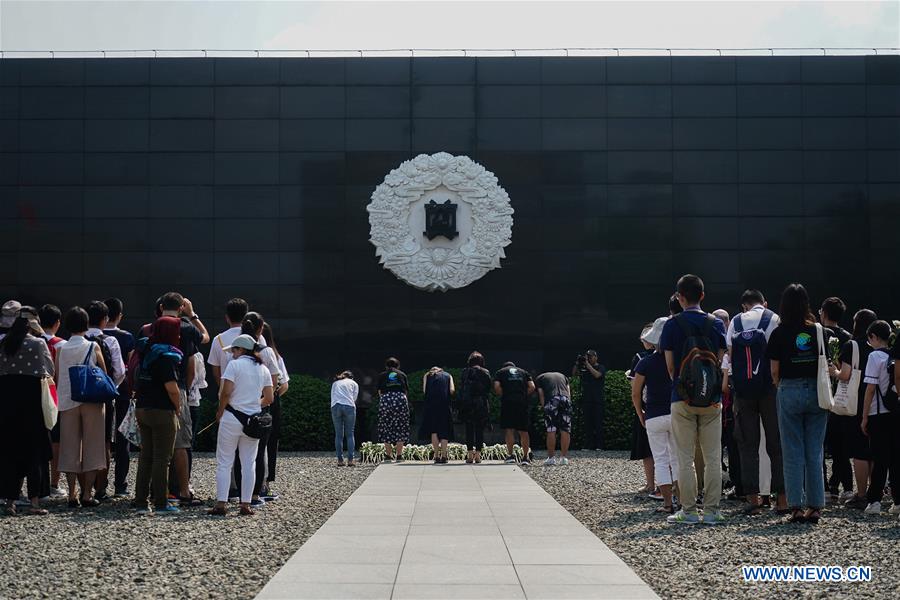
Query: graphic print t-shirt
point(393, 381)
point(796, 350)
point(514, 382)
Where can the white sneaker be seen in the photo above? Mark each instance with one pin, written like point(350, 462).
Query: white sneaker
point(682, 517)
point(845, 496)
point(563, 461)
point(510, 461)
point(57, 493)
point(874, 508)
point(895, 509)
point(550, 462)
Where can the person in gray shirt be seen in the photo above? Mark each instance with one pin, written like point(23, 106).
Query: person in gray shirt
point(556, 403)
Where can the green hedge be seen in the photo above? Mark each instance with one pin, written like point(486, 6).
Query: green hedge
point(306, 414)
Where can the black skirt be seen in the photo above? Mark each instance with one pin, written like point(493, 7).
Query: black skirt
point(24, 441)
point(640, 447)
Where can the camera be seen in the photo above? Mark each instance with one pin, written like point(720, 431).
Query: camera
point(581, 360)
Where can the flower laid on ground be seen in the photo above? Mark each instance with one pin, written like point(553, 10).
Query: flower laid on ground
point(373, 453)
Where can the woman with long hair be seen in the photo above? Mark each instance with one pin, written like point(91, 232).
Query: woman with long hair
point(272, 446)
point(246, 389)
point(793, 352)
point(472, 401)
point(393, 410)
point(24, 440)
point(157, 400)
point(253, 325)
point(437, 423)
point(855, 440)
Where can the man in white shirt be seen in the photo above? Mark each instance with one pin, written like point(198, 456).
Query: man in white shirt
point(235, 311)
point(756, 407)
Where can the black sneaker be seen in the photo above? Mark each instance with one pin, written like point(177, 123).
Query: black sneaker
point(857, 503)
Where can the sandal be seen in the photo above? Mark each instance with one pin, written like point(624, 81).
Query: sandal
point(796, 517)
point(90, 503)
point(668, 510)
point(813, 516)
point(10, 510)
point(38, 511)
point(246, 511)
point(217, 511)
point(751, 510)
point(190, 502)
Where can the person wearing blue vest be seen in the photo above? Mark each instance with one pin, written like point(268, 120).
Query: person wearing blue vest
point(754, 401)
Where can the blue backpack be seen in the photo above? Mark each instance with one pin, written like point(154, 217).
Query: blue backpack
point(750, 372)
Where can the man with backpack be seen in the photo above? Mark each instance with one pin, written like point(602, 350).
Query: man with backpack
point(754, 396)
point(98, 320)
point(694, 344)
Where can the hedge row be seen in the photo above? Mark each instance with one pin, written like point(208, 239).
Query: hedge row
point(306, 414)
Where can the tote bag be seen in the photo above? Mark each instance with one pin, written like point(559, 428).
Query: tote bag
point(846, 398)
point(823, 380)
point(89, 383)
point(48, 404)
point(129, 426)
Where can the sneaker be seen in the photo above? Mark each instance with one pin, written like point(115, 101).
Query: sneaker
point(895, 509)
point(510, 461)
point(234, 498)
point(525, 462)
point(23, 502)
point(856, 502)
point(563, 461)
point(258, 502)
point(713, 518)
point(550, 462)
point(168, 510)
point(874, 508)
point(845, 496)
point(121, 494)
point(144, 511)
point(530, 456)
point(683, 517)
point(655, 495)
point(57, 493)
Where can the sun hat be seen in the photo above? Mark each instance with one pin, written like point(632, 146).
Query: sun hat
point(34, 324)
point(652, 335)
point(10, 311)
point(242, 341)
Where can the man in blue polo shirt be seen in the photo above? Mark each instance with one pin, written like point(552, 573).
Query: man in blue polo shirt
point(690, 423)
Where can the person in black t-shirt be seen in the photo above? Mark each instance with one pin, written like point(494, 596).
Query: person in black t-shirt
point(514, 385)
point(793, 351)
point(592, 377)
point(830, 315)
point(472, 404)
point(855, 442)
point(393, 410)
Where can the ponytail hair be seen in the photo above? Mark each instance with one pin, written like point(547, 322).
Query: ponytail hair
point(252, 324)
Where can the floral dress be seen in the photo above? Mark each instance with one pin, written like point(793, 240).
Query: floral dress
point(393, 408)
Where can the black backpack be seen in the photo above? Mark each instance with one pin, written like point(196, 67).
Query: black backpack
point(104, 350)
point(889, 400)
point(700, 376)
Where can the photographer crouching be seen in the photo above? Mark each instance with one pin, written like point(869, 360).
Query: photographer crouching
point(588, 368)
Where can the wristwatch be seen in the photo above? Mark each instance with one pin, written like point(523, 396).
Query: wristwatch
point(194, 316)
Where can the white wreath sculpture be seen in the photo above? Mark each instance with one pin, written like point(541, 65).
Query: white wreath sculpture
point(436, 268)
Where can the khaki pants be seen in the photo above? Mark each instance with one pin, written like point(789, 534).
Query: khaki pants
point(690, 425)
point(157, 428)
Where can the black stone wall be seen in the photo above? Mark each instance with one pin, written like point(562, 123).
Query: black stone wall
point(250, 177)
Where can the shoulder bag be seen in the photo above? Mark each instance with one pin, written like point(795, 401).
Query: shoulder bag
point(89, 383)
point(48, 404)
point(823, 379)
point(846, 398)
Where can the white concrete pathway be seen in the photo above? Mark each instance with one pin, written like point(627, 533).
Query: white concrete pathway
point(455, 531)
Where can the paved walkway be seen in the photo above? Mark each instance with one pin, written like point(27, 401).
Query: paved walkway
point(453, 531)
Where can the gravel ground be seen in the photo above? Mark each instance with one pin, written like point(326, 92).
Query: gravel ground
point(111, 551)
point(681, 561)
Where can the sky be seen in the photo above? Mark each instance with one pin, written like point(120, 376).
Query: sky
point(76, 25)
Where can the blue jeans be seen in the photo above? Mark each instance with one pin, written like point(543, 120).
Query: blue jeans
point(802, 426)
point(344, 418)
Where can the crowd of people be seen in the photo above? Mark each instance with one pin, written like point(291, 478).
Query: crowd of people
point(79, 406)
point(774, 390)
